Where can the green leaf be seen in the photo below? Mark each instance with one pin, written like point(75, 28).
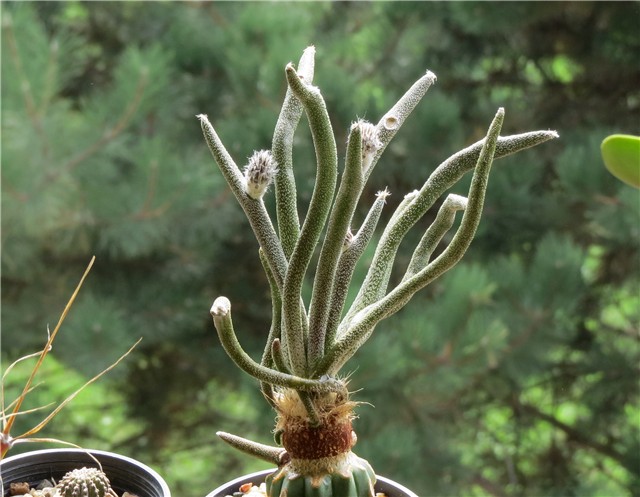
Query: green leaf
point(621, 154)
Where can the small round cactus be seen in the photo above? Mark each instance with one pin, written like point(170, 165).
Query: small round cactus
point(85, 482)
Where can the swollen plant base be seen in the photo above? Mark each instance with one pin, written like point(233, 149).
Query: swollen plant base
point(319, 461)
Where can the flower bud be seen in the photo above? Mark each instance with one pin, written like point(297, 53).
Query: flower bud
point(259, 173)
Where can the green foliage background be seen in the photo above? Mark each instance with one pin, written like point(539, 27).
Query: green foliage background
point(515, 375)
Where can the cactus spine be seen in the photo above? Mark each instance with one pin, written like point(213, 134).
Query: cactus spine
point(307, 347)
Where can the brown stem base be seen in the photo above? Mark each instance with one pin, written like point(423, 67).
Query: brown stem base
point(333, 437)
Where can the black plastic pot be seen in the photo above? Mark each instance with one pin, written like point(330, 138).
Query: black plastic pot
point(384, 485)
point(124, 473)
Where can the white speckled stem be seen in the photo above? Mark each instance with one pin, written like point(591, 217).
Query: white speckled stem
point(254, 209)
point(418, 203)
point(341, 215)
point(347, 264)
point(319, 206)
point(363, 322)
point(282, 150)
point(391, 122)
point(432, 237)
point(265, 452)
point(221, 314)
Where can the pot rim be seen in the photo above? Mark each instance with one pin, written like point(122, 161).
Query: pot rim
point(261, 474)
point(41, 456)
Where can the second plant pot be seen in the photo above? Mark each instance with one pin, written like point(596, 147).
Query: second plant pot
point(388, 487)
point(124, 473)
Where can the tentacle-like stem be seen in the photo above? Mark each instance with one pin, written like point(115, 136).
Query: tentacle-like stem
point(275, 330)
point(363, 323)
point(378, 275)
point(445, 176)
point(391, 122)
point(221, 313)
point(326, 156)
point(353, 250)
point(282, 150)
point(254, 209)
point(274, 455)
point(341, 214)
point(432, 237)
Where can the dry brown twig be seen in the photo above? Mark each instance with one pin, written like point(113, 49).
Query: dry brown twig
point(8, 418)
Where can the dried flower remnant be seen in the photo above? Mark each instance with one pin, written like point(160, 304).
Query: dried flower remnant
point(370, 142)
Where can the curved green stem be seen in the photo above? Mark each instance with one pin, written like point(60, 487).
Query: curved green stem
point(275, 330)
point(221, 314)
point(310, 407)
point(279, 359)
point(362, 324)
point(254, 209)
point(346, 266)
point(341, 215)
point(443, 178)
point(391, 122)
point(326, 157)
point(378, 275)
point(432, 237)
point(282, 150)
point(267, 453)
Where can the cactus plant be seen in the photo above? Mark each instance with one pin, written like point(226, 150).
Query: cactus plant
point(309, 342)
point(85, 482)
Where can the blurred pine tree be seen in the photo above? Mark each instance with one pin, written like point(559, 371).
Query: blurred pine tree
point(525, 386)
